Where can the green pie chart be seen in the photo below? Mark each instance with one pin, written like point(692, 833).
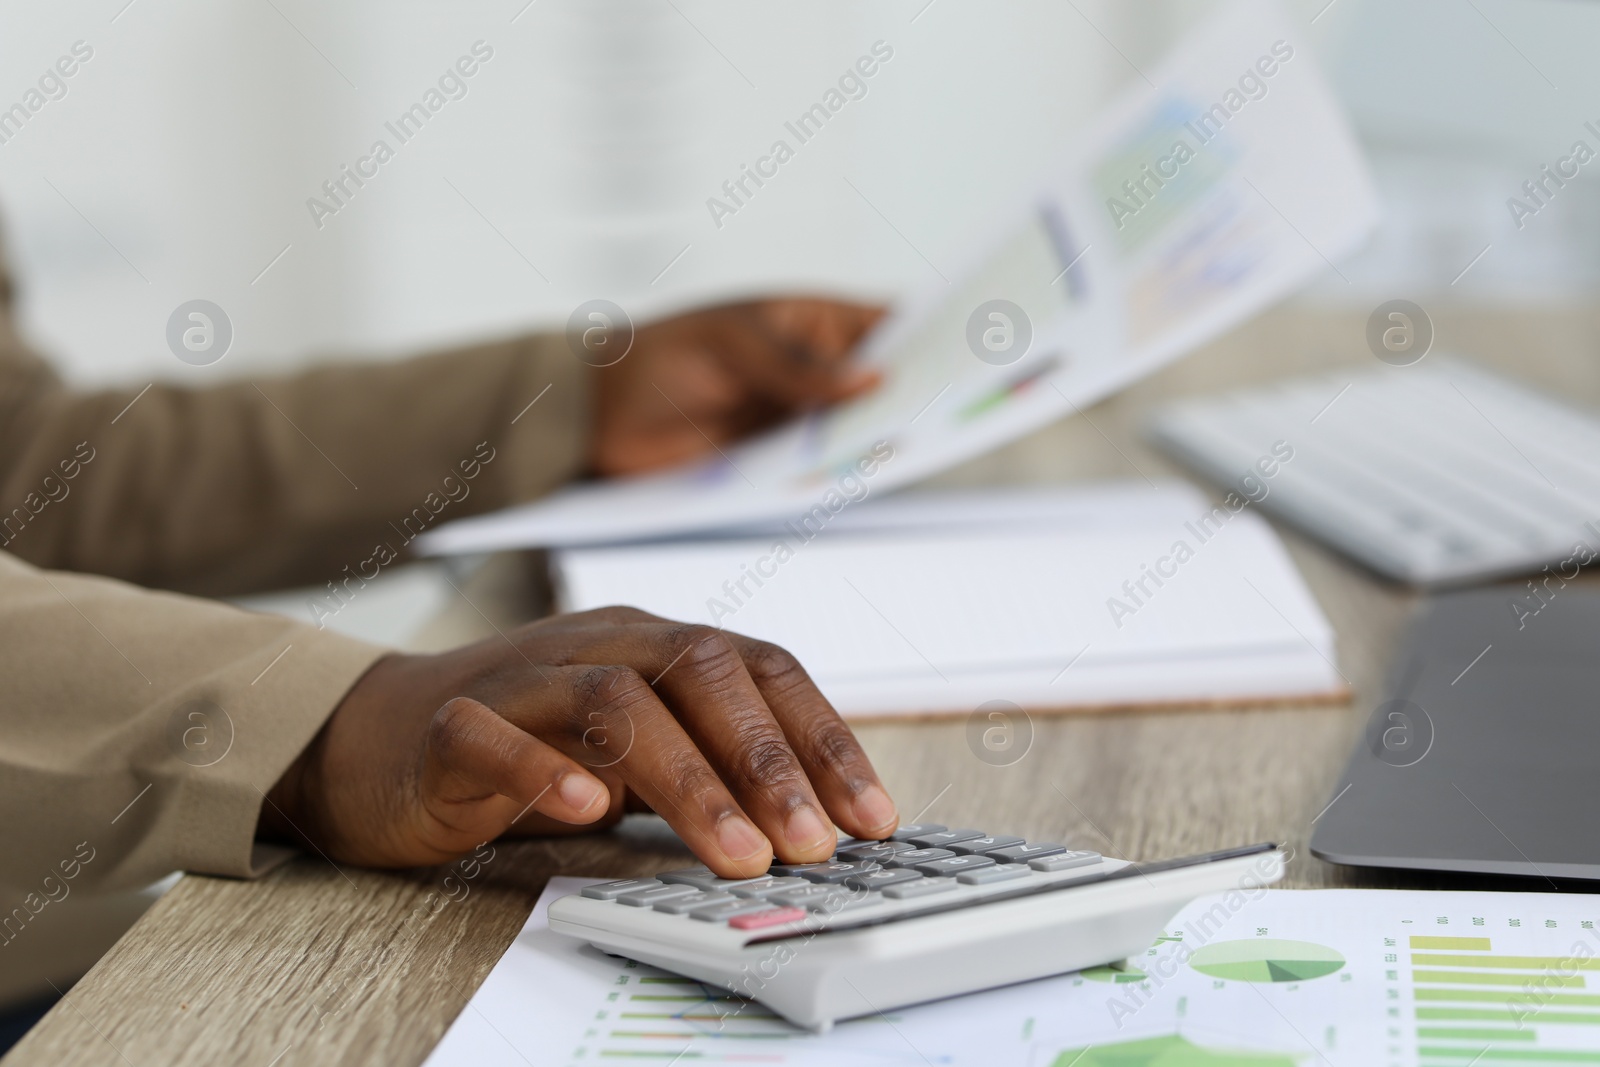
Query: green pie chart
point(1171, 1051)
point(1116, 973)
point(1266, 959)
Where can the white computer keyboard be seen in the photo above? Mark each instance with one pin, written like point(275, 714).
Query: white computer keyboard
point(931, 913)
point(1434, 474)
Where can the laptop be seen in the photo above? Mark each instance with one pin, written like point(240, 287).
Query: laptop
point(1483, 755)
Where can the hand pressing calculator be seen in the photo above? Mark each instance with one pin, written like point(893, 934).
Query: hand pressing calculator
point(931, 912)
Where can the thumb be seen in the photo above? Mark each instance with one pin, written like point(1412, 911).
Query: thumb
point(480, 774)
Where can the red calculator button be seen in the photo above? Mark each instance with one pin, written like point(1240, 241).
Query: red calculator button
point(771, 917)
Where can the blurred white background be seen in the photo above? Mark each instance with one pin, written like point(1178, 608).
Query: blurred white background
point(179, 163)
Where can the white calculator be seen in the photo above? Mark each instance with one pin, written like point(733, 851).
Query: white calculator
point(932, 912)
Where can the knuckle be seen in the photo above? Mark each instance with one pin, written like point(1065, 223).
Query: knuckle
point(767, 761)
point(706, 649)
point(831, 744)
point(602, 721)
point(774, 664)
point(684, 774)
point(609, 688)
point(619, 614)
point(449, 724)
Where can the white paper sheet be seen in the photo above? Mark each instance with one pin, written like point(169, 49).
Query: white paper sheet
point(1280, 978)
point(1272, 192)
point(939, 602)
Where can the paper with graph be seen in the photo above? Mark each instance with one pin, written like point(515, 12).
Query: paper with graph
point(1278, 978)
point(1225, 183)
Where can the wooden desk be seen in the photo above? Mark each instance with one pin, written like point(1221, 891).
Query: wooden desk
point(313, 965)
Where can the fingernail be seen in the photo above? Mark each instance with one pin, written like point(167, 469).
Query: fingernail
point(854, 377)
point(874, 809)
point(739, 839)
point(806, 830)
point(581, 792)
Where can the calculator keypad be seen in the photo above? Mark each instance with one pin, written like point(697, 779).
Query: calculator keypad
point(945, 838)
point(920, 888)
point(701, 878)
point(916, 856)
point(1062, 861)
point(876, 850)
point(953, 865)
point(924, 860)
point(916, 829)
point(1025, 852)
point(764, 887)
point(1004, 872)
point(881, 878)
point(651, 895)
point(721, 913)
point(979, 846)
point(835, 873)
point(686, 905)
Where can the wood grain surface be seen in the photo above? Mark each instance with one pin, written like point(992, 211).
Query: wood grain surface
point(315, 964)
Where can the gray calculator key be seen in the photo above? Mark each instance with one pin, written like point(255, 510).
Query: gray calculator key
point(984, 875)
point(847, 901)
point(954, 865)
point(1063, 861)
point(700, 878)
point(761, 888)
point(916, 856)
point(919, 888)
point(875, 850)
point(916, 829)
point(613, 890)
point(653, 895)
point(812, 897)
point(944, 838)
point(785, 870)
point(1024, 853)
point(978, 846)
point(837, 872)
point(684, 905)
point(880, 878)
point(717, 913)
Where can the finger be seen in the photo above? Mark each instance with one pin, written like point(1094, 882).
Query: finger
point(834, 761)
point(609, 718)
point(481, 773)
point(700, 675)
point(829, 329)
point(533, 824)
point(784, 367)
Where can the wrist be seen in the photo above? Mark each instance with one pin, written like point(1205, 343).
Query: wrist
point(289, 809)
point(283, 808)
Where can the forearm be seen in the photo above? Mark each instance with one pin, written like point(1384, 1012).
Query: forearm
point(262, 484)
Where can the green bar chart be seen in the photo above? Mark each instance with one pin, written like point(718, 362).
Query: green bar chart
point(1473, 1004)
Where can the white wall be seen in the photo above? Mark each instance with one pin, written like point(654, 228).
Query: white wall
point(590, 143)
point(588, 146)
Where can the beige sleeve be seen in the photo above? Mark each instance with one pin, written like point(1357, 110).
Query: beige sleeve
point(280, 482)
point(115, 699)
point(140, 730)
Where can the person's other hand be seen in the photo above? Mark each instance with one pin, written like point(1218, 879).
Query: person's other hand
point(702, 379)
point(725, 737)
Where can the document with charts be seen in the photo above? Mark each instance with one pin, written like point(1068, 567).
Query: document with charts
point(1262, 978)
point(1194, 201)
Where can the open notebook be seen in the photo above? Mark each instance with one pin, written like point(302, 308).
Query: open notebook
point(937, 602)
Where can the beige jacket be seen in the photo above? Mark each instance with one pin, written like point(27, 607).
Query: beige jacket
point(139, 729)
